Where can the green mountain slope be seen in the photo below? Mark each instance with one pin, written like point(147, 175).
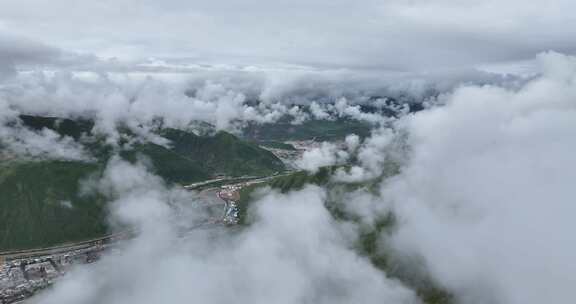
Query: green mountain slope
point(224, 153)
point(40, 204)
point(321, 130)
point(39, 201)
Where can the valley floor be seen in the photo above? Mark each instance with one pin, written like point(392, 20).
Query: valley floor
point(26, 272)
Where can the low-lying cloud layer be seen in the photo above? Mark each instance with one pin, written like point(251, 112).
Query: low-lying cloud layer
point(483, 199)
point(487, 197)
point(294, 252)
point(483, 196)
point(226, 99)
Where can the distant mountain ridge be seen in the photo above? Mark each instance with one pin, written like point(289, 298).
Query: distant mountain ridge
point(206, 155)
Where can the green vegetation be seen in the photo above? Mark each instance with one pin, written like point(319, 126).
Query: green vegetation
point(285, 183)
point(224, 154)
point(277, 145)
point(40, 203)
point(299, 179)
point(321, 130)
point(410, 272)
point(191, 158)
point(172, 166)
point(62, 126)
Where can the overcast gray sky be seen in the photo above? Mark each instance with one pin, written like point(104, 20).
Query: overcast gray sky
point(373, 34)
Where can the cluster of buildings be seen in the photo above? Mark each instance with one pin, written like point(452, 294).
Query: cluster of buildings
point(232, 214)
point(22, 275)
point(231, 195)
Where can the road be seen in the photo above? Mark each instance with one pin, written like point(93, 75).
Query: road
point(24, 272)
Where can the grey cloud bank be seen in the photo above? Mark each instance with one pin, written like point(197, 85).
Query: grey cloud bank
point(486, 198)
point(484, 193)
point(387, 34)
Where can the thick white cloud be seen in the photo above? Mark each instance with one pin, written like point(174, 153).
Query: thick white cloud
point(487, 199)
point(17, 141)
point(378, 155)
point(294, 252)
point(20, 51)
point(130, 100)
point(223, 99)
